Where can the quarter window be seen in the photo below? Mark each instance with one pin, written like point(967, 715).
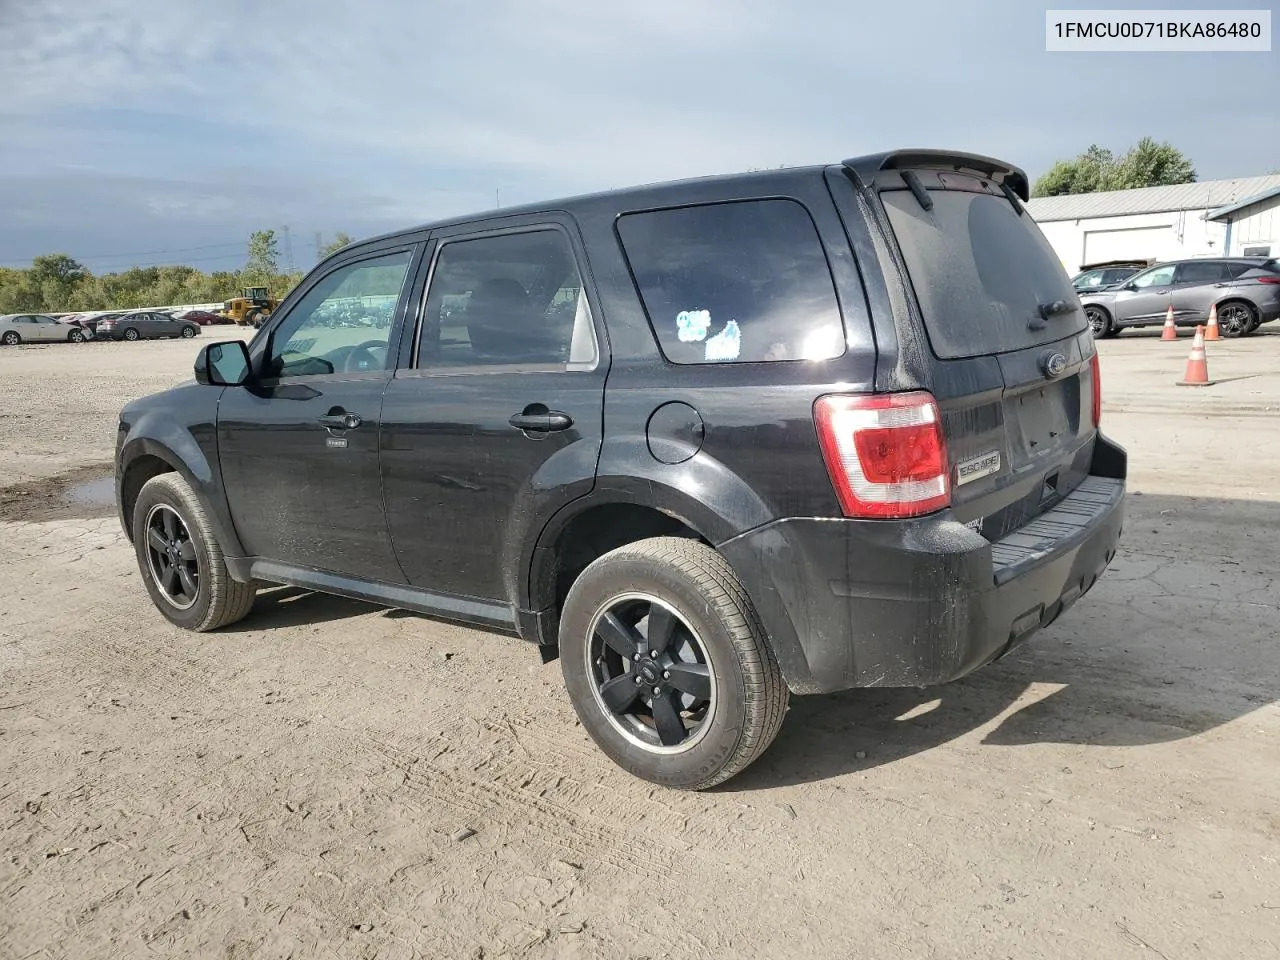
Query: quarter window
point(512, 300)
point(342, 324)
point(735, 282)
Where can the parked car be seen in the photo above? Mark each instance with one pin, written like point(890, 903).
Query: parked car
point(1101, 277)
point(18, 328)
point(146, 325)
point(1246, 291)
point(793, 431)
point(92, 319)
point(202, 317)
point(77, 320)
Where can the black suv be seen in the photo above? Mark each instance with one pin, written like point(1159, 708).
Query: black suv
point(706, 441)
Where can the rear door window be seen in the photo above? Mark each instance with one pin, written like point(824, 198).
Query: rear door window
point(1209, 271)
point(738, 282)
point(981, 273)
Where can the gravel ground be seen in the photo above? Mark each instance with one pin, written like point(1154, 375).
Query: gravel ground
point(331, 779)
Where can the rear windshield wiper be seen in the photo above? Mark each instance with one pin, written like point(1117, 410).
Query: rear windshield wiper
point(917, 189)
point(1050, 310)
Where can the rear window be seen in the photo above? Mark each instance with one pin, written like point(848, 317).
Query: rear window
point(980, 273)
point(737, 282)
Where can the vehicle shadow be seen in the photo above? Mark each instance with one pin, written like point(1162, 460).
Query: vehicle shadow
point(294, 606)
point(1176, 639)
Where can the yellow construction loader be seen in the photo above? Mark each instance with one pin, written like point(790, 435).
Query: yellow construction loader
point(253, 309)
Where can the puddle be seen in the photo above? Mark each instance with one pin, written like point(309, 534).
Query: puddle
point(87, 491)
point(94, 493)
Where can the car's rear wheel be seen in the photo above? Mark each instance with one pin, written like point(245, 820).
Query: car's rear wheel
point(180, 559)
point(1234, 319)
point(131, 333)
point(1099, 322)
point(188, 333)
point(76, 335)
point(11, 338)
point(667, 665)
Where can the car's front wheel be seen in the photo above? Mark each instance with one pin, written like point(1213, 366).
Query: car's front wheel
point(180, 558)
point(667, 665)
point(1099, 322)
point(188, 333)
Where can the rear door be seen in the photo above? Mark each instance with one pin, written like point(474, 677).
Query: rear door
point(1011, 353)
point(1196, 284)
point(495, 421)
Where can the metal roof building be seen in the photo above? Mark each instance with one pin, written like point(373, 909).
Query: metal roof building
point(1237, 217)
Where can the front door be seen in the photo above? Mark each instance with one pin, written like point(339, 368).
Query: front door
point(1149, 301)
point(47, 329)
point(299, 446)
point(496, 421)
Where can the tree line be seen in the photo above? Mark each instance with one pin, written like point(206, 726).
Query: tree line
point(57, 283)
point(1145, 164)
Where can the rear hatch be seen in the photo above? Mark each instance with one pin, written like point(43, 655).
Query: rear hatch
point(1009, 357)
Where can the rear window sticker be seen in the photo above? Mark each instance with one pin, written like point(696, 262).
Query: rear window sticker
point(693, 325)
point(727, 344)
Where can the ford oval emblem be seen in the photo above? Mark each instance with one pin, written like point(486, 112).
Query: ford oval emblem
point(1053, 365)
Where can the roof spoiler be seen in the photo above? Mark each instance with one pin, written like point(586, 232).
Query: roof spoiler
point(1002, 173)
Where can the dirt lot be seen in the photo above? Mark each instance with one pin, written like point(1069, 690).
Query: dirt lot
point(296, 785)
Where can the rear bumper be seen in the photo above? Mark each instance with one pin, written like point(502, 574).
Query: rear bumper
point(851, 603)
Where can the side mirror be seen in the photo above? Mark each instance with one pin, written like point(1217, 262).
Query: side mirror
point(224, 364)
point(1130, 286)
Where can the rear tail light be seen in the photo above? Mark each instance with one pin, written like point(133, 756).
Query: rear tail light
point(1267, 279)
point(1097, 389)
point(885, 453)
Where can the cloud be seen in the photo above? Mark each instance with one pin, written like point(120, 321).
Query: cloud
point(424, 109)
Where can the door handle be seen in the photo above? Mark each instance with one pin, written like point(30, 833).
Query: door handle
point(341, 421)
point(549, 422)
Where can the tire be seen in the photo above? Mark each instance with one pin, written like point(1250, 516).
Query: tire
point(1236, 319)
point(217, 600)
point(76, 335)
point(188, 333)
point(717, 647)
point(131, 334)
point(1100, 322)
point(11, 338)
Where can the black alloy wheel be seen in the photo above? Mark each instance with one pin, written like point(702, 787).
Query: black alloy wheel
point(650, 674)
point(171, 557)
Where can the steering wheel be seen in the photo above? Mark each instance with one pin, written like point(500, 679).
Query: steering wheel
point(370, 355)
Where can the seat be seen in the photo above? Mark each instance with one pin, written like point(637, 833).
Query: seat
point(504, 326)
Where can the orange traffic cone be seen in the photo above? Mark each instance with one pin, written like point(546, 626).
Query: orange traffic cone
point(1211, 331)
point(1170, 328)
point(1197, 374)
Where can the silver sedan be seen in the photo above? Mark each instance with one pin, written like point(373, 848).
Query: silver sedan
point(18, 328)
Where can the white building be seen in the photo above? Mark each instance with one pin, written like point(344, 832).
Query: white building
point(1211, 218)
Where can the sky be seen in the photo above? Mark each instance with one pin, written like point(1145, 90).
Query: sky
point(135, 132)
